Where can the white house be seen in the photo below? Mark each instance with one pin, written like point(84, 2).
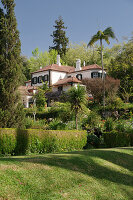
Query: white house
point(61, 78)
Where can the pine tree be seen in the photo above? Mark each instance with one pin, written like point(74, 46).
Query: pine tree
point(59, 37)
point(11, 113)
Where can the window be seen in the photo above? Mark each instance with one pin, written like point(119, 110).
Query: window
point(34, 80)
point(45, 78)
point(79, 76)
point(94, 75)
point(40, 79)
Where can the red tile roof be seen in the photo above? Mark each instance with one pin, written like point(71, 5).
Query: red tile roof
point(89, 67)
point(56, 67)
point(67, 69)
point(66, 81)
point(94, 66)
point(26, 90)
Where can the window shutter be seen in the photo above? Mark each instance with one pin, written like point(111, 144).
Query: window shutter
point(32, 81)
point(43, 78)
point(91, 74)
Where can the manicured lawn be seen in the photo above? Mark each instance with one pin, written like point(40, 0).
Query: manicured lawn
point(103, 174)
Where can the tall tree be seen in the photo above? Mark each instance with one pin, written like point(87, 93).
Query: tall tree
point(122, 67)
point(11, 114)
point(59, 37)
point(102, 35)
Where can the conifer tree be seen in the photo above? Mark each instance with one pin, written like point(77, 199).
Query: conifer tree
point(11, 113)
point(59, 37)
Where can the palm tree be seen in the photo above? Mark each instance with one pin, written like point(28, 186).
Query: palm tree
point(77, 98)
point(105, 35)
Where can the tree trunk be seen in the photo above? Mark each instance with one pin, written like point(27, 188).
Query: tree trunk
point(76, 116)
point(103, 76)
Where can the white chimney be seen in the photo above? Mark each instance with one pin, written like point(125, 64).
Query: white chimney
point(58, 60)
point(78, 65)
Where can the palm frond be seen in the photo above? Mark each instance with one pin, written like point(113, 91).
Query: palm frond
point(94, 39)
point(106, 38)
point(109, 33)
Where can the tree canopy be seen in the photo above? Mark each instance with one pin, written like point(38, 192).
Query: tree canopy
point(10, 67)
point(60, 40)
point(102, 35)
point(122, 68)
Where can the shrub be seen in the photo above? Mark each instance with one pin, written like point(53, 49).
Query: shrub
point(91, 121)
point(38, 124)
point(40, 141)
point(58, 110)
point(109, 124)
point(92, 141)
point(63, 111)
point(7, 141)
point(116, 139)
point(131, 139)
point(56, 125)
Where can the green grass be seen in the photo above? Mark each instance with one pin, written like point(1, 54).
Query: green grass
point(103, 174)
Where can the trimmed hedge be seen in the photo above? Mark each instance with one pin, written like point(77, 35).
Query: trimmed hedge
point(14, 141)
point(118, 139)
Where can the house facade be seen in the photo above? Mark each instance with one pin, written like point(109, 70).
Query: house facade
point(61, 78)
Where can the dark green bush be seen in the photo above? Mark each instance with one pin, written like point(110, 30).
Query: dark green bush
point(116, 139)
point(109, 124)
point(18, 142)
point(92, 141)
point(131, 139)
point(58, 110)
point(56, 124)
point(7, 141)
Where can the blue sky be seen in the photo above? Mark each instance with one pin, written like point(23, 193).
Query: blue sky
point(82, 17)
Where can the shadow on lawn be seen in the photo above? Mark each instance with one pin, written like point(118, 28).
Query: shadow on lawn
point(84, 162)
point(126, 148)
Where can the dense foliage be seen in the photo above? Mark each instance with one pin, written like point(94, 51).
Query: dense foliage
point(40, 98)
point(77, 98)
point(59, 37)
point(13, 141)
point(95, 88)
point(122, 68)
point(11, 113)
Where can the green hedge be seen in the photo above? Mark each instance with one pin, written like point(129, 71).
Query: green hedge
point(13, 141)
point(118, 139)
